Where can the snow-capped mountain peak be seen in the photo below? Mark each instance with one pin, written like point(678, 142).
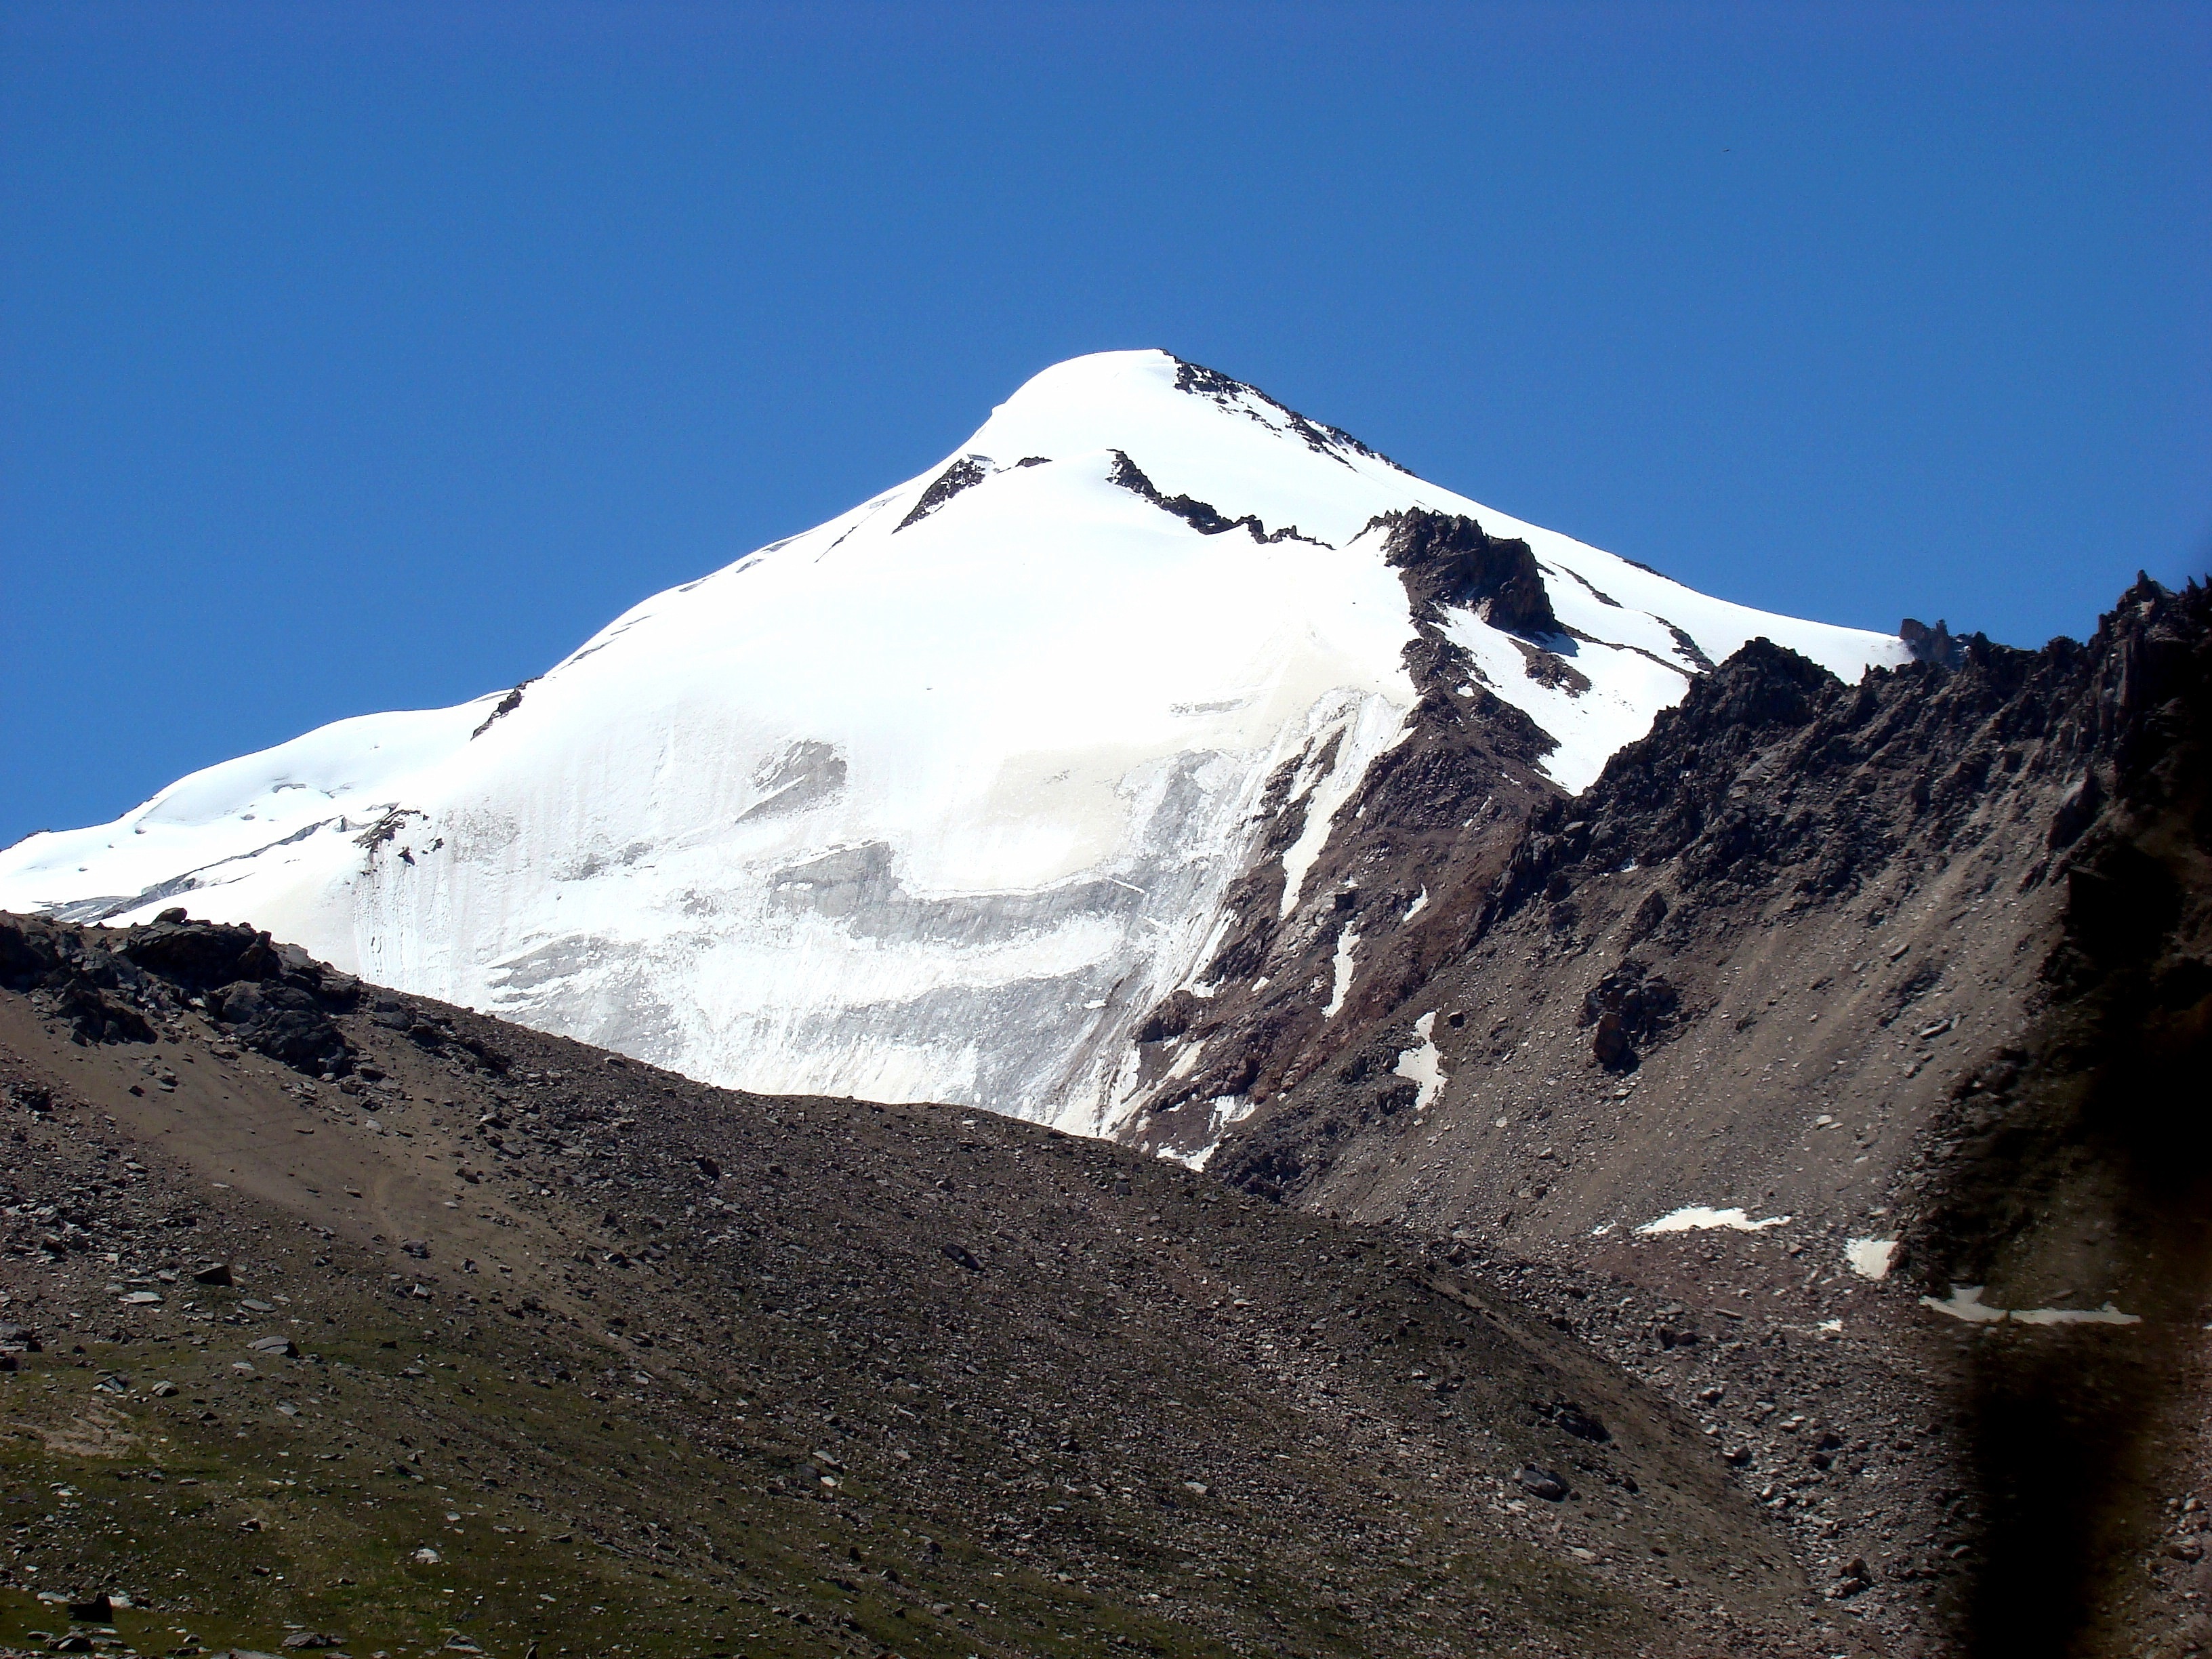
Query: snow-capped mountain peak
point(941, 799)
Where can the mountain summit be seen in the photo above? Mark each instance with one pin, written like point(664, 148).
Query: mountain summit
point(950, 798)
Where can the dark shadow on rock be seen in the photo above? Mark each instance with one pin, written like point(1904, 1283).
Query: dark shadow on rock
point(2083, 1155)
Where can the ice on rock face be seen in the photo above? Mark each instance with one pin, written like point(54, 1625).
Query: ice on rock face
point(930, 802)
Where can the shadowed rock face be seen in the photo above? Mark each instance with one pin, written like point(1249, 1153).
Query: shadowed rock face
point(2085, 1155)
point(1448, 560)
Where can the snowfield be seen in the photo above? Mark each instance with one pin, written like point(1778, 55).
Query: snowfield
point(931, 802)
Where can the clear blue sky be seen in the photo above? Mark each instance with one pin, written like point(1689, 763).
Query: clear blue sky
point(372, 356)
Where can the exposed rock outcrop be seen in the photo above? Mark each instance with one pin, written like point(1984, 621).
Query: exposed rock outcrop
point(123, 986)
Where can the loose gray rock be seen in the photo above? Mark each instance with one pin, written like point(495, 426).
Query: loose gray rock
point(1542, 1483)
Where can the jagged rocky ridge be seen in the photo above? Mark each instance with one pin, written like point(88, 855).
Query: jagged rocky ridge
point(1776, 797)
point(1825, 999)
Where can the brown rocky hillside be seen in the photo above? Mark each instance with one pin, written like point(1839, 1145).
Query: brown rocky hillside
point(338, 1314)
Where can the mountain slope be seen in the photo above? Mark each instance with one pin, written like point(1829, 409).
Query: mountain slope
point(650, 1367)
point(944, 798)
point(1863, 1027)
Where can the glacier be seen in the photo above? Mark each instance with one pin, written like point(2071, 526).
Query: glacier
point(932, 801)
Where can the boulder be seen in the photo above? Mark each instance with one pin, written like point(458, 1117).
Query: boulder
point(1541, 1483)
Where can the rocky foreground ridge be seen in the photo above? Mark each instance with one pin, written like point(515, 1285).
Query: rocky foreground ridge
point(1871, 1015)
point(372, 1323)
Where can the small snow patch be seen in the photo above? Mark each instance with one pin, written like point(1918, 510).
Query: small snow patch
point(1346, 942)
point(1870, 1258)
point(1693, 1217)
point(1966, 1303)
point(1417, 906)
point(1225, 1109)
point(1186, 1061)
point(1423, 1066)
point(2107, 1315)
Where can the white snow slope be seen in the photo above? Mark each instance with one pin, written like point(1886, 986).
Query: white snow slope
point(903, 808)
